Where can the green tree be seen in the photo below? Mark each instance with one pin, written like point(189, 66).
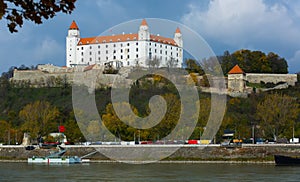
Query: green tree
point(5, 133)
point(15, 11)
point(40, 118)
point(278, 113)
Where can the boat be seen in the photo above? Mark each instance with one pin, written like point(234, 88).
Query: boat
point(55, 158)
point(282, 160)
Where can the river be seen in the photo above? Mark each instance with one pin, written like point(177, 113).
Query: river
point(147, 172)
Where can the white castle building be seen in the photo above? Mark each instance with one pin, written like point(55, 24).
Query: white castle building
point(124, 50)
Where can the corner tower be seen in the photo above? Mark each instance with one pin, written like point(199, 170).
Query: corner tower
point(144, 33)
point(71, 43)
point(236, 80)
point(178, 37)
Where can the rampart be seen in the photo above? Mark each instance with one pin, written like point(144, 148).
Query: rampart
point(290, 79)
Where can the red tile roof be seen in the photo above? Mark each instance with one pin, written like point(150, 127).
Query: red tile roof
point(160, 39)
point(144, 23)
point(177, 30)
point(236, 70)
point(123, 38)
point(73, 26)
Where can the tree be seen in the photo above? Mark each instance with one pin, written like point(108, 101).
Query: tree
point(15, 11)
point(4, 132)
point(278, 114)
point(40, 118)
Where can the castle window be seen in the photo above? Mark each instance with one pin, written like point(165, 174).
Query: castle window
point(114, 45)
point(81, 53)
point(90, 47)
point(149, 49)
point(77, 49)
point(127, 50)
point(98, 47)
point(137, 49)
point(106, 58)
point(166, 47)
point(177, 54)
point(161, 46)
point(160, 51)
point(114, 51)
point(155, 50)
point(137, 56)
point(128, 44)
point(121, 50)
point(171, 53)
point(90, 59)
point(81, 48)
point(137, 43)
point(150, 43)
point(106, 52)
point(155, 45)
point(128, 56)
point(171, 47)
point(121, 56)
point(121, 45)
point(114, 57)
point(166, 53)
point(82, 60)
point(90, 53)
point(106, 46)
point(98, 58)
point(98, 52)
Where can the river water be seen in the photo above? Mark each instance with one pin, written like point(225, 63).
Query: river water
point(147, 172)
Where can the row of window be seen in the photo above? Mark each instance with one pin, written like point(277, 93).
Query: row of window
point(128, 44)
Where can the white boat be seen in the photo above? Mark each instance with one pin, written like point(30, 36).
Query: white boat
point(55, 158)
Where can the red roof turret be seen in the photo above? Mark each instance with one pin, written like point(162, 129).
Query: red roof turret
point(236, 70)
point(73, 26)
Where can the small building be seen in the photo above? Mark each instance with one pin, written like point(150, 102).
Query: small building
point(236, 80)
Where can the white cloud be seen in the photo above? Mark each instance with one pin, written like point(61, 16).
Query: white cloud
point(272, 26)
point(237, 22)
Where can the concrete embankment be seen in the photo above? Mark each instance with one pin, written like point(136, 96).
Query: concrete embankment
point(251, 153)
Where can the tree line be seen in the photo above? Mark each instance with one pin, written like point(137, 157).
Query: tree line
point(249, 61)
point(39, 111)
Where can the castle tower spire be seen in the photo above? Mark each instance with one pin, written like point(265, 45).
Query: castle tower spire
point(73, 26)
point(144, 33)
point(178, 37)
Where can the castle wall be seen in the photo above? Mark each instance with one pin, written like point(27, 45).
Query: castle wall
point(291, 79)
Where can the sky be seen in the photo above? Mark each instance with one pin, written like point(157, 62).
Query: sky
point(266, 25)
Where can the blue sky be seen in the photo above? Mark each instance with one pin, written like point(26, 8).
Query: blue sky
point(269, 26)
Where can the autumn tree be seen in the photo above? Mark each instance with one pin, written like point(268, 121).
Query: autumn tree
point(278, 113)
point(15, 11)
point(40, 118)
point(4, 132)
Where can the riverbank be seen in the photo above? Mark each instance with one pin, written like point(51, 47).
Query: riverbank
point(185, 153)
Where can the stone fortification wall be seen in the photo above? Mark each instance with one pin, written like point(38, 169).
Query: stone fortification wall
point(48, 75)
point(291, 79)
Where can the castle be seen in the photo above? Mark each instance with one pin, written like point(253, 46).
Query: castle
point(90, 57)
point(124, 50)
